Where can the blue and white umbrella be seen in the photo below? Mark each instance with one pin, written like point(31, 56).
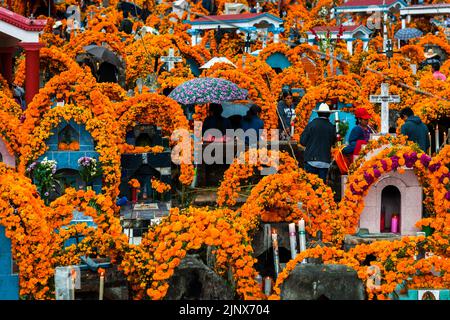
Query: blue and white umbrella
point(408, 33)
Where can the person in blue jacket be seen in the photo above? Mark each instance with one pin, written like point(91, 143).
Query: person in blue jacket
point(360, 134)
point(252, 121)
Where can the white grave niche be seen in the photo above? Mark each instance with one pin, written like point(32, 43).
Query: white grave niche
point(402, 193)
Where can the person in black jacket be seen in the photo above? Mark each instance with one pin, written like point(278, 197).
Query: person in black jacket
point(415, 129)
point(318, 138)
point(430, 58)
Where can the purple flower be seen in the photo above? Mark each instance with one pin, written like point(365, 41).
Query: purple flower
point(447, 196)
point(384, 164)
point(377, 173)
point(434, 167)
point(394, 162)
point(354, 191)
point(410, 159)
point(46, 194)
point(425, 159)
point(446, 175)
point(369, 179)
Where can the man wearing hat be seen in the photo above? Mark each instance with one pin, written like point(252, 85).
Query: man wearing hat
point(318, 138)
point(360, 134)
point(430, 58)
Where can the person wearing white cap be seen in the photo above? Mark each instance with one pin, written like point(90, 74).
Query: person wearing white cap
point(431, 58)
point(318, 138)
point(57, 29)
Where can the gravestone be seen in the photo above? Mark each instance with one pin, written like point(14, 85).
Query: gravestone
point(322, 282)
point(145, 166)
point(9, 282)
point(263, 248)
point(193, 280)
point(171, 59)
point(407, 202)
point(83, 145)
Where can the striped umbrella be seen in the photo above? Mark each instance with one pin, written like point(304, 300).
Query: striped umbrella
point(408, 33)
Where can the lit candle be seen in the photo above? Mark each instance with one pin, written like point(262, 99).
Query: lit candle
point(394, 224)
point(336, 120)
point(276, 259)
point(292, 240)
point(436, 136)
point(302, 236)
point(267, 286)
point(102, 285)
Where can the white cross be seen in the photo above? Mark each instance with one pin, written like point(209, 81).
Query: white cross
point(384, 99)
point(171, 59)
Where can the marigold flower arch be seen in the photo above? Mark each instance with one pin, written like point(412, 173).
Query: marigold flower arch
point(367, 174)
point(52, 57)
point(243, 168)
point(275, 199)
point(101, 130)
point(159, 110)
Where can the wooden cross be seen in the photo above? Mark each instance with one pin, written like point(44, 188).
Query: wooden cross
point(384, 99)
point(171, 59)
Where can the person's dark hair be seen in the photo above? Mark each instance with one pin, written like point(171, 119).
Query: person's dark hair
point(323, 114)
point(435, 66)
point(126, 26)
point(167, 91)
point(286, 94)
point(216, 109)
point(254, 110)
point(406, 112)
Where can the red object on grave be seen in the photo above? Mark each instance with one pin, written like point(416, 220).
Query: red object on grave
point(382, 220)
point(358, 147)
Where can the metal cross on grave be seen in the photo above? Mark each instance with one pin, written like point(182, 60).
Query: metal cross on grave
point(384, 99)
point(171, 59)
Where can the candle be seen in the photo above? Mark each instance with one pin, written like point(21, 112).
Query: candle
point(436, 137)
point(276, 259)
point(336, 120)
point(102, 284)
point(394, 224)
point(302, 236)
point(72, 276)
point(267, 286)
point(292, 240)
point(444, 141)
point(429, 140)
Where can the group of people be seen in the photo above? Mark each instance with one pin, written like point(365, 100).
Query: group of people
point(434, 60)
point(215, 120)
point(319, 137)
